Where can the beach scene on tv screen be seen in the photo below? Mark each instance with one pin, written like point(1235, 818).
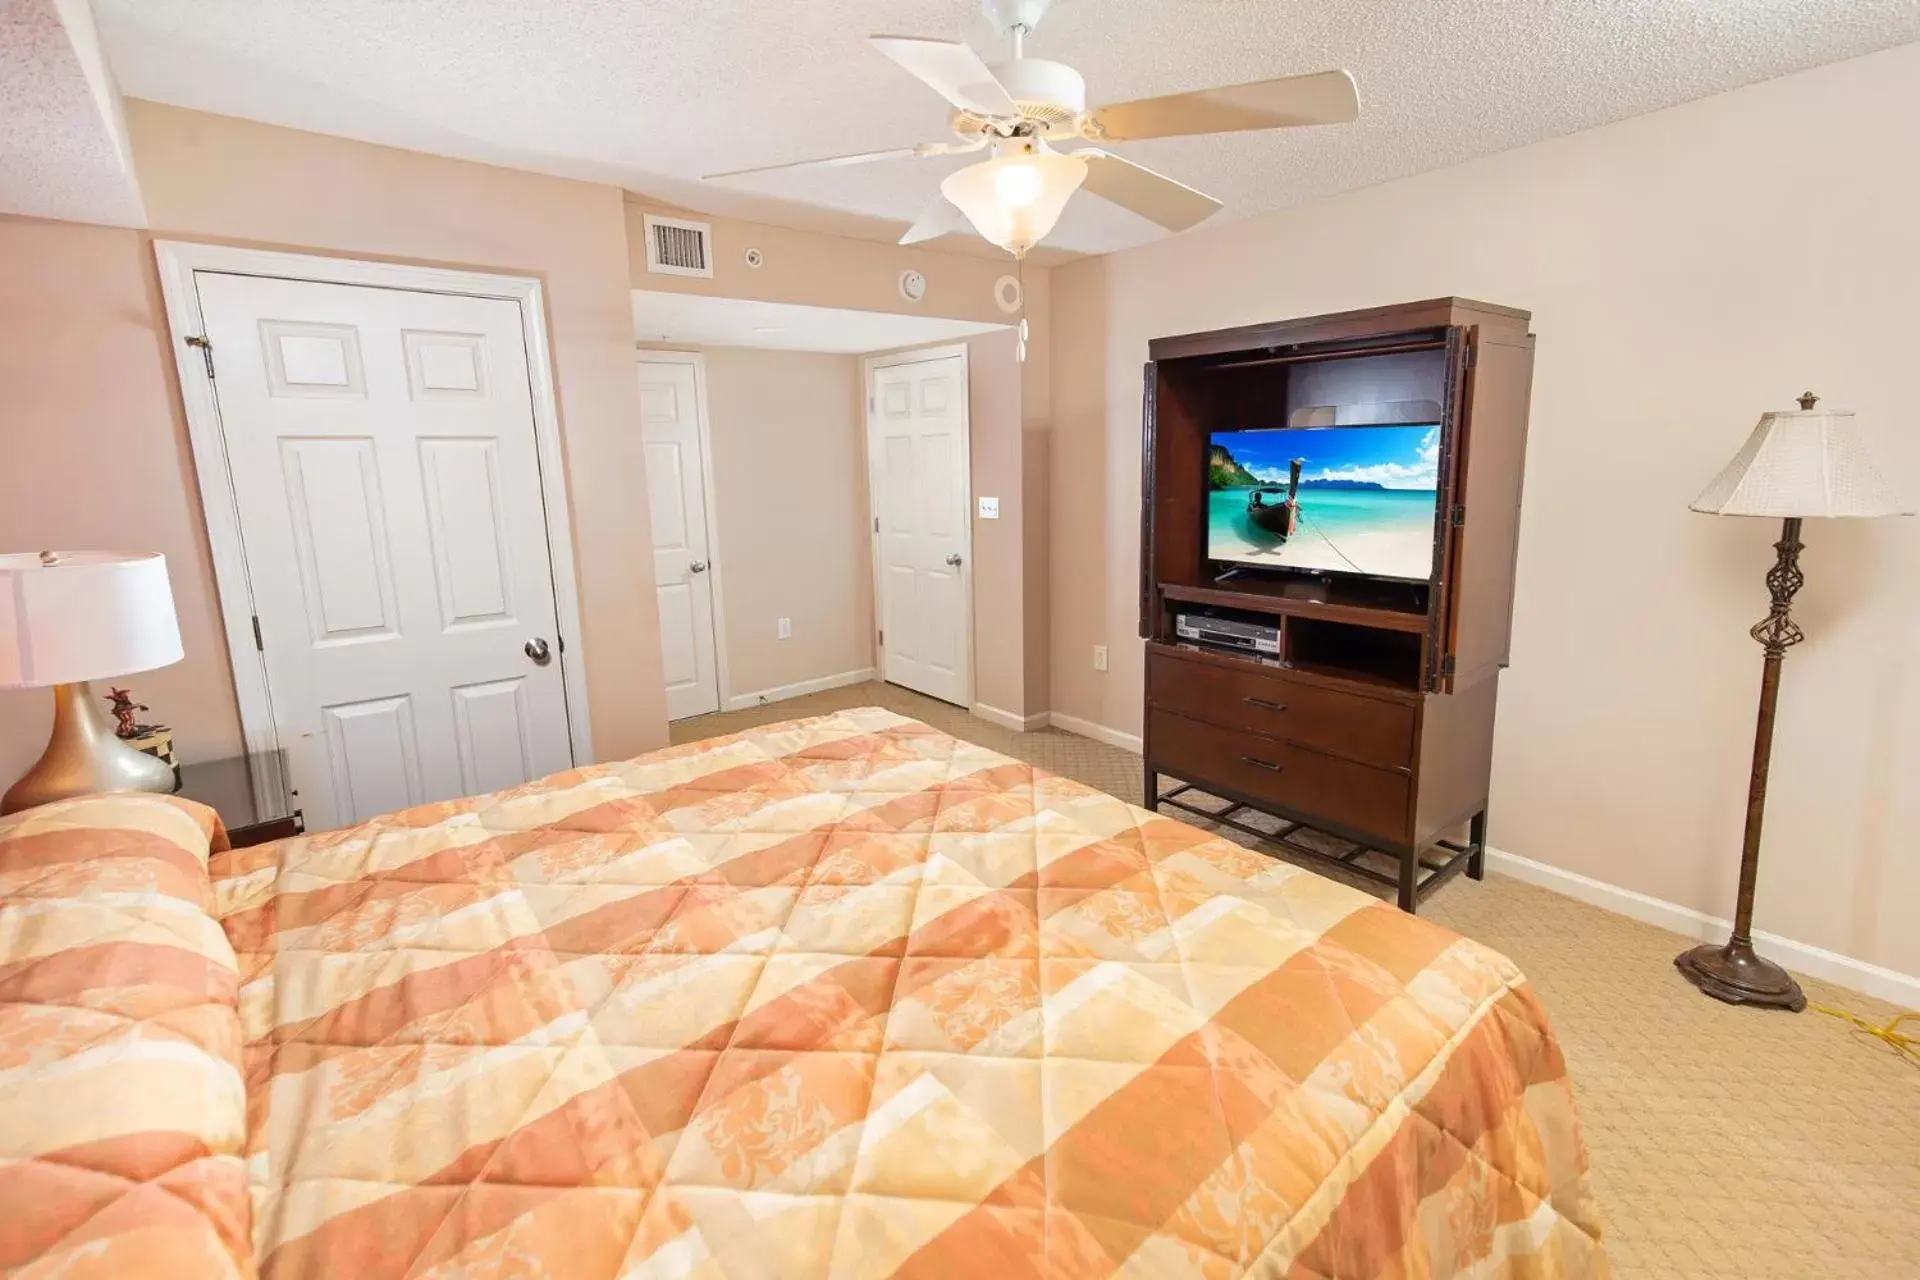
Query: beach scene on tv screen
point(1363, 502)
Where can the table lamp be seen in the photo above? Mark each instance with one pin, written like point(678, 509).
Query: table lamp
point(67, 617)
point(1795, 465)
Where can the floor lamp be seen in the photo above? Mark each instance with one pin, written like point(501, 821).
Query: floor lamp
point(1795, 465)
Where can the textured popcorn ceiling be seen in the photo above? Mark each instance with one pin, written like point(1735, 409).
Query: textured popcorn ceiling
point(652, 93)
point(60, 156)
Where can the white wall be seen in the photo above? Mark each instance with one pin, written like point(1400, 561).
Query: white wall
point(1686, 270)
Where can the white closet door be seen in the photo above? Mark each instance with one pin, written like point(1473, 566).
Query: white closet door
point(682, 559)
point(919, 464)
point(388, 488)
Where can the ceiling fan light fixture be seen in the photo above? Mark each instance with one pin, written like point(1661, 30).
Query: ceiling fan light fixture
point(1014, 199)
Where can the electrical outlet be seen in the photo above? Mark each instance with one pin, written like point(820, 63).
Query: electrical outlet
point(786, 628)
point(1099, 657)
point(989, 508)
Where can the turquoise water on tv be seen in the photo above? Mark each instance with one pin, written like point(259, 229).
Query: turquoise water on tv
point(1387, 532)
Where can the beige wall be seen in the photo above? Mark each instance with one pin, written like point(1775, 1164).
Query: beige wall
point(1036, 585)
point(1012, 402)
point(1686, 270)
point(214, 178)
point(821, 270)
point(93, 455)
point(790, 492)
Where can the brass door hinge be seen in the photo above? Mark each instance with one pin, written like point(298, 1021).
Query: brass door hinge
point(205, 349)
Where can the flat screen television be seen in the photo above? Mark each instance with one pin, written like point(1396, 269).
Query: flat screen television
point(1357, 500)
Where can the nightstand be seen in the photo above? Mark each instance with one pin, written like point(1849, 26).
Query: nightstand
point(250, 795)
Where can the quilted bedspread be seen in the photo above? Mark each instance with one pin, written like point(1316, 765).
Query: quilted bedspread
point(847, 997)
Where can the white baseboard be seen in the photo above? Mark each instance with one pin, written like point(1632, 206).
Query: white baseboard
point(1008, 720)
point(819, 684)
point(1886, 984)
point(1098, 732)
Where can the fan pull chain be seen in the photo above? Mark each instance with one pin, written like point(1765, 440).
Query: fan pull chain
point(1020, 279)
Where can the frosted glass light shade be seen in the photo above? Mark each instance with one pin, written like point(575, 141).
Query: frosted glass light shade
point(1014, 200)
point(1809, 462)
point(86, 616)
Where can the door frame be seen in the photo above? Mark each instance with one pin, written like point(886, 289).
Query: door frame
point(869, 366)
point(664, 355)
point(178, 261)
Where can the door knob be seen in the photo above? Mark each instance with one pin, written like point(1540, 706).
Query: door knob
point(536, 649)
point(954, 559)
point(698, 566)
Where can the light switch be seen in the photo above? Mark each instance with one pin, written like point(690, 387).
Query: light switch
point(989, 508)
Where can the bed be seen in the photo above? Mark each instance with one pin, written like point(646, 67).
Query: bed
point(836, 997)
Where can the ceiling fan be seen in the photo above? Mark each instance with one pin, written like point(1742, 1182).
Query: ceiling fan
point(1017, 109)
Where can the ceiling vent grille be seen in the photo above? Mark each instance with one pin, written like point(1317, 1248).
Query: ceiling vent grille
point(677, 247)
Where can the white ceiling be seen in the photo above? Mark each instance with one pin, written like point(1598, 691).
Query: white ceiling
point(652, 93)
point(700, 320)
point(62, 144)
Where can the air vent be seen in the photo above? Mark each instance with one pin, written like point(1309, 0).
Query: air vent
point(676, 247)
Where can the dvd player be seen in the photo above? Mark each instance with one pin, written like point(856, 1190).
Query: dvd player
point(1229, 633)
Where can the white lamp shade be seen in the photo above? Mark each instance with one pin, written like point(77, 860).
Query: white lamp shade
point(1810, 462)
point(1013, 200)
point(88, 615)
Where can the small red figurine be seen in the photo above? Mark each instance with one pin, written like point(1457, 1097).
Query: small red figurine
point(124, 709)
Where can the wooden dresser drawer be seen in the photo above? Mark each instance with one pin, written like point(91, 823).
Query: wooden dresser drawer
point(1367, 800)
point(1371, 730)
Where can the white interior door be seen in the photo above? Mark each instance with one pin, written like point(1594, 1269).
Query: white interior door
point(386, 478)
point(672, 408)
point(919, 459)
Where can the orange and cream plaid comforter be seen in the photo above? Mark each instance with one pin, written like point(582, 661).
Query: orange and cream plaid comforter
point(838, 997)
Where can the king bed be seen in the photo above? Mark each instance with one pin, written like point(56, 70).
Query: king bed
point(836, 997)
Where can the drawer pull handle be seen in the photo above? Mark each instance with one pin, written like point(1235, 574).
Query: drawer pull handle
point(1264, 705)
point(1269, 767)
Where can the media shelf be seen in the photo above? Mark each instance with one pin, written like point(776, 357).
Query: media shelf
point(1374, 720)
point(1273, 602)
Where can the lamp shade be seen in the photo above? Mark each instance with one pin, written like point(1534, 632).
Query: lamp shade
point(1014, 199)
point(1809, 462)
point(69, 616)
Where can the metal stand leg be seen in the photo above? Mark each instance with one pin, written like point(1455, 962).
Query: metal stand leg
point(1150, 789)
point(1409, 878)
point(1477, 838)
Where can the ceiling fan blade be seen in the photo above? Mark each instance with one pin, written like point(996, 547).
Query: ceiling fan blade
point(829, 162)
point(1326, 97)
point(1153, 196)
point(950, 69)
point(940, 218)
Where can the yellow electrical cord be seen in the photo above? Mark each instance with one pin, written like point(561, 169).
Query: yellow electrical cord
point(1905, 1045)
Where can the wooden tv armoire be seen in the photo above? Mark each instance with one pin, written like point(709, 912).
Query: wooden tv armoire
point(1373, 720)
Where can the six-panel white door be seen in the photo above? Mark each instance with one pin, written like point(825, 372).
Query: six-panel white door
point(382, 448)
point(919, 460)
point(670, 412)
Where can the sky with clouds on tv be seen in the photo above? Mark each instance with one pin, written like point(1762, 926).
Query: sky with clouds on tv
point(1391, 457)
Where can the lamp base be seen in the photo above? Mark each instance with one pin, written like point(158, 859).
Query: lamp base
point(1733, 973)
point(84, 756)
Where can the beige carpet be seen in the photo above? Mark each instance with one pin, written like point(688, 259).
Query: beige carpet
point(1735, 1143)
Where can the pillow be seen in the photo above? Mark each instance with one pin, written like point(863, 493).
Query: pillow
point(122, 1107)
